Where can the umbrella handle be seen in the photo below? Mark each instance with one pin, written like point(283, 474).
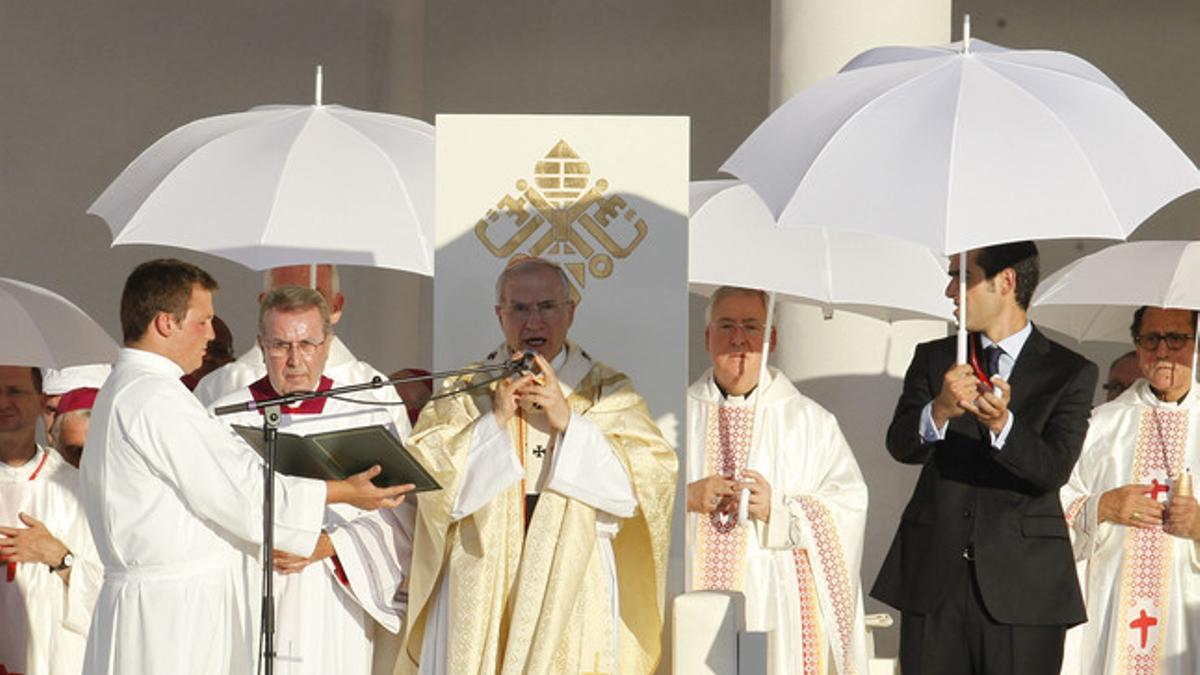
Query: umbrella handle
point(744, 507)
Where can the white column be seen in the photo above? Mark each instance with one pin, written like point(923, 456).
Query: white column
point(852, 365)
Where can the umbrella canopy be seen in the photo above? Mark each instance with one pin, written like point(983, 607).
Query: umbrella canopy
point(44, 329)
point(1093, 298)
point(960, 147)
point(284, 185)
point(733, 240)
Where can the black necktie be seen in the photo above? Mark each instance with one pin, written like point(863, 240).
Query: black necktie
point(991, 355)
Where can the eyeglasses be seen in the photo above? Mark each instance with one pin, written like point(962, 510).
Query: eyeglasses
point(547, 309)
point(1151, 341)
point(729, 327)
point(279, 348)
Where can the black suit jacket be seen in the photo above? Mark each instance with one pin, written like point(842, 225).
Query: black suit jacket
point(1003, 502)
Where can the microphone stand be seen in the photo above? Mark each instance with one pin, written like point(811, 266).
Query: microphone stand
point(272, 410)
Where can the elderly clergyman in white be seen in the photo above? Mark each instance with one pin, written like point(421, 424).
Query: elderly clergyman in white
point(174, 499)
point(329, 603)
point(1136, 534)
point(797, 559)
point(342, 365)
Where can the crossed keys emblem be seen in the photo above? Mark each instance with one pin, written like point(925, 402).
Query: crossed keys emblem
point(575, 220)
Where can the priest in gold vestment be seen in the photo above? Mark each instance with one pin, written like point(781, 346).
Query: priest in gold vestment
point(546, 549)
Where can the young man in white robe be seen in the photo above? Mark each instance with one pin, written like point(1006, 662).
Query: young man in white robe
point(174, 499)
point(49, 567)
point(342, 365)
point(1134, 532)
point(545, 552)
point(797, 558)
point(329, 604)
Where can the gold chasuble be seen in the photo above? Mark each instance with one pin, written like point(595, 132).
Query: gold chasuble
point(538, 601)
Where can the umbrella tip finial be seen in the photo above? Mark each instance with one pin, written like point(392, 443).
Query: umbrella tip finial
point(320, 83)
point(966, 33)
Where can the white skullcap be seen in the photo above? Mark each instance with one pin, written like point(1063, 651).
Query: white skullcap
point(58, 382)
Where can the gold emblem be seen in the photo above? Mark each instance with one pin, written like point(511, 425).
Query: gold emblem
point(577, 225)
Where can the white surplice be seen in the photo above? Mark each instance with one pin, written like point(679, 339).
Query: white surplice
point(1124, 571)
point(493, 465)
point(44, 622)
point(812, 544)
point(341, 366)
point(174, 502)
point(324, 624)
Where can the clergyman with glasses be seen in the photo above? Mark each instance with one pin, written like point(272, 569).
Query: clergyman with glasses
point(546, 549)
point(797, 560)
point(1135, 530)
point(329, 603)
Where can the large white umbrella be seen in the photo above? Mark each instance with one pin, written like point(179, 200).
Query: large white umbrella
point(284, 185)
point(1093, 298)
point(964, 146)
point(733, 240)
point(958, 149)
point(44, 329)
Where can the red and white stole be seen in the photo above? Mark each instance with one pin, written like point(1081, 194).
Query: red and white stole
point(1146, 562)
point(720, 560)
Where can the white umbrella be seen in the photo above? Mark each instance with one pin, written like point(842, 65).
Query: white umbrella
point(44, 329)
point(964, 146)
point(1093, 298)
point(733, 240)
point(284, 185)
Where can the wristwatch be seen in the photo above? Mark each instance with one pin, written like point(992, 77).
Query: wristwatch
point(67, 561)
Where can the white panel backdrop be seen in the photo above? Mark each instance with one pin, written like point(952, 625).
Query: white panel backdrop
point(611, 194)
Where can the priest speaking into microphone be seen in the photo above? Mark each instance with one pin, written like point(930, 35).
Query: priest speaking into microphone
point(174, 499)
point(546, 549)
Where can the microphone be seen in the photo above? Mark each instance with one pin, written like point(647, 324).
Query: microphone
point(522, 364)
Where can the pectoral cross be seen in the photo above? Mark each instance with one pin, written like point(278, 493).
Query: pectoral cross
point(1143, 623)
point(595, 665)
point(1157, 487)
point(539, 451)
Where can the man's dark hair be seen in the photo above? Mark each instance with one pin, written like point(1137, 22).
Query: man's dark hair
point(1135, 328)
point(36, 373)
point(1022, 257)
point(163, 285)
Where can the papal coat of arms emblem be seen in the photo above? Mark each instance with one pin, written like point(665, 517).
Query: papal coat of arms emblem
point(564, 216)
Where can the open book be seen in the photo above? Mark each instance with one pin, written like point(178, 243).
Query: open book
point(336, 455)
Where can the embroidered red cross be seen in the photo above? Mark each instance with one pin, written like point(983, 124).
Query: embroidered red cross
point(1143, 623)
point(1157, 487)
point(10, 577)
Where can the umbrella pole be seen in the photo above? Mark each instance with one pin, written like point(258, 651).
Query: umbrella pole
point(319, 87)
point(962, 308)
point(756, 424)
point(1195, 348)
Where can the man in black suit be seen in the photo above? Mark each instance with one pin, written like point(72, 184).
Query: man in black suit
point(981, 567)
